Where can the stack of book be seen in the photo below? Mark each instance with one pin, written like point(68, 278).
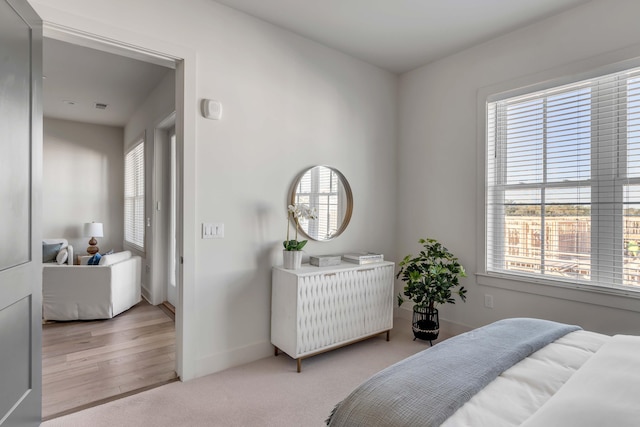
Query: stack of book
point(363, 257)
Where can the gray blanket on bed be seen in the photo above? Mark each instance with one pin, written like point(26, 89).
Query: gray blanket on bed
point(428, 387)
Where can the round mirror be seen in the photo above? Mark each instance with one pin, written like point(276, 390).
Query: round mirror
point(326, 190)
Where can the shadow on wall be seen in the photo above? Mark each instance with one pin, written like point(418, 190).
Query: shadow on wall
point(73, 233)
point(241, 311)
point(248, 306)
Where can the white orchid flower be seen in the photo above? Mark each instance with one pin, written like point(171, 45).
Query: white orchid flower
point(293, 209)
point(309, 213)
point(299, 211)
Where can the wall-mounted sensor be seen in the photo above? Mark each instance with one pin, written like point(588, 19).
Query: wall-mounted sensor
point(211, 109)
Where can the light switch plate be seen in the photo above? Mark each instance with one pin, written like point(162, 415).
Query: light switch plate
point(212, 230)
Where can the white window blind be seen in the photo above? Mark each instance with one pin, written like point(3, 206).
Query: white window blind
point(134, 214)
point(563, 183)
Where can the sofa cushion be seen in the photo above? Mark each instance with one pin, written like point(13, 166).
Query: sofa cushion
point(50, 251)
point(115, 257)
point(62, 256)
point(84, 259)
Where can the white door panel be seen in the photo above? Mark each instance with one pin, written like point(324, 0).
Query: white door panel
point(20, 229)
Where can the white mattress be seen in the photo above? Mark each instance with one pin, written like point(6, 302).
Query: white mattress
point(522, 389)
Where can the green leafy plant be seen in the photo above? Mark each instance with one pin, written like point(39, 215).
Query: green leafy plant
point(297, 212)
point(432, 276)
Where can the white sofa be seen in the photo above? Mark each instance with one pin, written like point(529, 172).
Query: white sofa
point(85, 292)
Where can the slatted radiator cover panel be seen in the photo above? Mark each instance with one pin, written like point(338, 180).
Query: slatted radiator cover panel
point(338, 307)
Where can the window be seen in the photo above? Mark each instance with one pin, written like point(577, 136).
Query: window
point(563, 183)
point(134, 197)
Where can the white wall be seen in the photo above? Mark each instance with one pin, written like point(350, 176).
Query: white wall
point(82, 182)
point(159, 105)
point(439, 146)
point(288, 104)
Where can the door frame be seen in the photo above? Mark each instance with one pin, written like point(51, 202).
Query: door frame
point(183, 60)
point(161, 214)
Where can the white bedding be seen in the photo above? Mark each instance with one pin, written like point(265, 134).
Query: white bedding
point(513, 397)
point(582, 379)
point(604, 392)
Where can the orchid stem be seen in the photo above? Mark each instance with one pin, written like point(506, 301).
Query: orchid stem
point(288, 228)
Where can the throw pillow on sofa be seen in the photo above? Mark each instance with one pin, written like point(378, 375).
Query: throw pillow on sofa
point(48, 244)
point(49, 252)
point(95, 260)
point(62, 256)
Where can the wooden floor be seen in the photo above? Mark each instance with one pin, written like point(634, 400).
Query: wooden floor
point(86, 363)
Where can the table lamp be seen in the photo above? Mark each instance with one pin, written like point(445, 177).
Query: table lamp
point(93, 230)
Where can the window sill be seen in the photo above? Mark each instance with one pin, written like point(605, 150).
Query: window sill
point(614, 298)
point(134, 250)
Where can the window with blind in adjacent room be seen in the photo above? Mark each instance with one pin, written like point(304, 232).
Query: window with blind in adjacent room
point(563, 183)
point(134, 215)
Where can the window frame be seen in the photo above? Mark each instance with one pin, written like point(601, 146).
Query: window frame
point(130, 245)
point(602, 242)
point(544, 285)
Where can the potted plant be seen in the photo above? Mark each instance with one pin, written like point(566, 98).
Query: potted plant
point(431, 278)
point(292, 255)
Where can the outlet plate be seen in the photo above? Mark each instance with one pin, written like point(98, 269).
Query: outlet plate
point(488, 301)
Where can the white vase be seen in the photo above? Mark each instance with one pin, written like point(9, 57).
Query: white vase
point(292, 260)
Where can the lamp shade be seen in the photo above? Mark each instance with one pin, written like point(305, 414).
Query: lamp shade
point(93, 229)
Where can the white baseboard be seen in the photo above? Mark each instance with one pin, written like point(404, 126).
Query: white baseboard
point(146, 294)
point(235, 357)
point(452, 328)
point(250, 353)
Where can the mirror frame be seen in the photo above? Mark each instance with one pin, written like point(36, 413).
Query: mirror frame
point(348, 194)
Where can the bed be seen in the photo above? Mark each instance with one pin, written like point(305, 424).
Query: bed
point(514, 372)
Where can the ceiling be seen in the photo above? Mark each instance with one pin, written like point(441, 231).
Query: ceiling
point(397, 35)
point(400, 35)
point(76, 78)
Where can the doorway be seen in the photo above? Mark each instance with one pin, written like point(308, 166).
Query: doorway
point(172, 255)
point(166, 213)
point(111, 48)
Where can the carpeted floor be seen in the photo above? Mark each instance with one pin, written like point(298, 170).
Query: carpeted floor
point(268, 392)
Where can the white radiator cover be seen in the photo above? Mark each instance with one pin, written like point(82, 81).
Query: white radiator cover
point(315, 309)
